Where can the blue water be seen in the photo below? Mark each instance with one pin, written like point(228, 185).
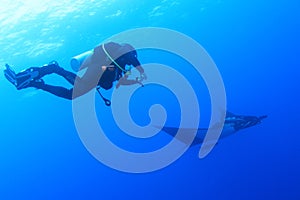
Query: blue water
point(255, 45)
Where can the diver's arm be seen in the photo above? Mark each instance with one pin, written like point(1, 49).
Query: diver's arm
point(125, 81)
point(143, 76)
point(133, 60)
point(140, 69)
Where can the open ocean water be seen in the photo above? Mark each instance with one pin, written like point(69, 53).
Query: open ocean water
point(255, 45)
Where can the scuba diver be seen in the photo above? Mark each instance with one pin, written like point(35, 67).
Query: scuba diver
point(107, 63)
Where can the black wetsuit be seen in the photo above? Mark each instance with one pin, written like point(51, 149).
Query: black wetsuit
point(106, 80)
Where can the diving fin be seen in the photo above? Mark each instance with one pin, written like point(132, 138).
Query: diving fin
point(10, 75)
point(22, 79)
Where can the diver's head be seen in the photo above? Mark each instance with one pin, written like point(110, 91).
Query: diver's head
point(126, 49)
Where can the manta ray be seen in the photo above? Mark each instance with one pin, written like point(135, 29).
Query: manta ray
point(232, 124)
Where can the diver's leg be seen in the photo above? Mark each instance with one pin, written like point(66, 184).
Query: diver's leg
point(53, 67)
point(56, 90)
point(24, 78)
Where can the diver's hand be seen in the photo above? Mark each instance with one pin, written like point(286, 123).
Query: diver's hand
point(142, 77)
point(125, 81)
